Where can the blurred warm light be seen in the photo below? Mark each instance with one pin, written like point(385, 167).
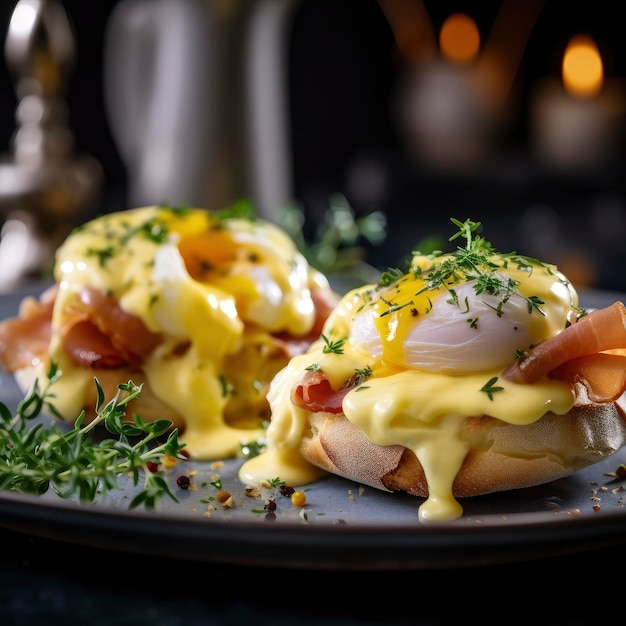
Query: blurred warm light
point(582, 67)
point(459, 39)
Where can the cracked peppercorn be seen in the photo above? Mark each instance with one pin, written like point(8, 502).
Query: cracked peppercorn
point(286, 490)
point(183, 482)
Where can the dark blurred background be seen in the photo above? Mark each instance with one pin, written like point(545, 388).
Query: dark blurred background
point(204, 102)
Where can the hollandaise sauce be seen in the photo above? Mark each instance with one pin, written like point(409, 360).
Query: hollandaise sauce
point(209, 293)
point(429, 349)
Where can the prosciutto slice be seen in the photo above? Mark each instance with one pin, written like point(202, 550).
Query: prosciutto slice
point(24, 339)
point(589, 351)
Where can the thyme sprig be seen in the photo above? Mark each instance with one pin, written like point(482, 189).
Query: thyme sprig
point(490, 387)
point(475, 261)
point(332, 347)
point(35, 458)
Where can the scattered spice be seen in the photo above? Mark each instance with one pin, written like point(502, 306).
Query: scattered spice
point(252, 491)
point(183, 481)
point(222, 496)
point(286, 490)
point(298, 498)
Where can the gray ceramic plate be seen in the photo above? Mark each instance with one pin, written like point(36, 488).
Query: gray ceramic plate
point(342, 526)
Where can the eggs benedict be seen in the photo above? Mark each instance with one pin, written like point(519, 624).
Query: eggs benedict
point(202, 308)
point(470, 373)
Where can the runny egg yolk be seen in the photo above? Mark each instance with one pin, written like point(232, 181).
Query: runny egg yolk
point(213, 290)
point(455, 330)
point(434, 354)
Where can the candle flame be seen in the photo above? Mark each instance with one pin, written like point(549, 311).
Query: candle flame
point(459, 39)
point(582, 67)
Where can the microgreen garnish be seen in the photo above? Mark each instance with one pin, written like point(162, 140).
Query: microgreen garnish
point(334, 347)
point(490, 387)
point(476, 262)
point(313, 367)
point(37, 458)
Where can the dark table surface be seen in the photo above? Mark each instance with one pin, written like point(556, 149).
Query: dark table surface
point(49, 583)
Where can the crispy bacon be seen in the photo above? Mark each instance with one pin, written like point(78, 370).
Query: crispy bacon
point(574, 355)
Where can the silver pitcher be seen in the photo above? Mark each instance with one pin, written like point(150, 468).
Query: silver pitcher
point(195, 91)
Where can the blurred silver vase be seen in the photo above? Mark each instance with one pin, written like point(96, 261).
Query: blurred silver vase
point(196, 95)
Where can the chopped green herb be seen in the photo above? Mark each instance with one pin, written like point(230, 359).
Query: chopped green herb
point(153, 229)
point(362, 374)
point(334, 347)
point(251, 449)
point(227, 388)
point(490, 387)
point(104, 254)
point(390, 276)
point(275, 482)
